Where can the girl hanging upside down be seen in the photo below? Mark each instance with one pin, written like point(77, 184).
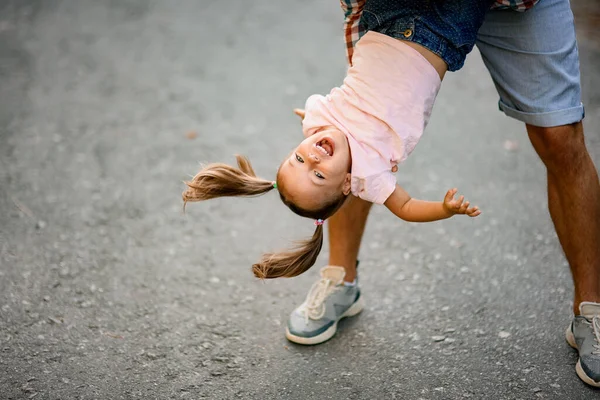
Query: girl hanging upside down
point(355, 136)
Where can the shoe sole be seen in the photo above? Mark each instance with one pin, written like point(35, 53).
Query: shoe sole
point(328, 334)
point(580, 372)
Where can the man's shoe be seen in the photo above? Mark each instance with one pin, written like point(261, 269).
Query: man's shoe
point(328, 301)
point(584, 335)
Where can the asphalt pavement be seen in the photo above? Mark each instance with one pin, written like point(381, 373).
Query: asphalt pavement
point(109, 291)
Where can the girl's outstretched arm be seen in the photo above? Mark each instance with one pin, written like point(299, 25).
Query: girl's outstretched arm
point(413, 210)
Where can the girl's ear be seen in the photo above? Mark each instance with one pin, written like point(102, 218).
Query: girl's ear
point(347, 185)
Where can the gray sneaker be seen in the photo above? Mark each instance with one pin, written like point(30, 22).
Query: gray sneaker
point(328, 301)
point(584, 335)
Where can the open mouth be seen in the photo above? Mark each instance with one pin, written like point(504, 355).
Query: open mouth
point(325, 147)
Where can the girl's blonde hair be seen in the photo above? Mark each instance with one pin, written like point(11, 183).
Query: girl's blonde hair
point(219, 180)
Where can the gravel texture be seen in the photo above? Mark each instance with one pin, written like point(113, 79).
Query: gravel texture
point(109, 291)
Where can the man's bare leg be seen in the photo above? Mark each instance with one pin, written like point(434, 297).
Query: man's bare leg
point(574, 203)
point(308, 324)
point(346, 229)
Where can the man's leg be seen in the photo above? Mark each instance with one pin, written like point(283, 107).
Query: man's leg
point(574, 203)
point(329, 300)
point(534, 62)
point(346, 229)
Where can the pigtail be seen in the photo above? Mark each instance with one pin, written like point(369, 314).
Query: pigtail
point(292, 262)
point(221, 180)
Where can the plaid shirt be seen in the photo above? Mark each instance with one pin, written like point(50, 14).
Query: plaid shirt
point(353, 10)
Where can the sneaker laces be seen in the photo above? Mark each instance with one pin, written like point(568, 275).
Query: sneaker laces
point(596, 328)
point(314, 305)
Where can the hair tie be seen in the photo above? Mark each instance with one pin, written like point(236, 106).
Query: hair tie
point(319, 222)
point(274, 184)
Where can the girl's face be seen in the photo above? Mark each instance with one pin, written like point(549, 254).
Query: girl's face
point(318, 170)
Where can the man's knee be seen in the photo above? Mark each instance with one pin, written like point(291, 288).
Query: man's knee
point(561, 148)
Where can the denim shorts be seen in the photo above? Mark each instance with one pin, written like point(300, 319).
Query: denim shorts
point(532, 56)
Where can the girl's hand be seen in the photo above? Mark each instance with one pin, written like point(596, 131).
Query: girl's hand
point(456, 206)
point(299, 112)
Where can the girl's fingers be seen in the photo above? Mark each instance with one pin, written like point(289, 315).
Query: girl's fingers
point(449, 195)
point(299, 112)
point(473, 212)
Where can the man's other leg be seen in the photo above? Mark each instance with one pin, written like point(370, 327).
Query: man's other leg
point(346, 229)
point(574, 203)
point(534, 62)
point(330, 299)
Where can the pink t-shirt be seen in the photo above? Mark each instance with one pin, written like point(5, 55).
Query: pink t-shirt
point(382, 107)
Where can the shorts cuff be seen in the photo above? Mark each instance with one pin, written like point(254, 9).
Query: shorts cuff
point(545, 119)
